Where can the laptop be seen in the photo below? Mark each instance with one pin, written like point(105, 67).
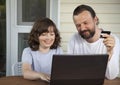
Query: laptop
point(78, 69)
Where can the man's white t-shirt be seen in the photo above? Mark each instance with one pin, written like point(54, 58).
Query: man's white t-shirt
point(78, 45)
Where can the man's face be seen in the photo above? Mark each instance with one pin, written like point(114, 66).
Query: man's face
point(85, 24)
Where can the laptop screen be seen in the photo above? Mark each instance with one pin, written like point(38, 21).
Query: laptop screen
point(78, 69)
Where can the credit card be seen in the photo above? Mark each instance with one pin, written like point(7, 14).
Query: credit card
point(105, 32)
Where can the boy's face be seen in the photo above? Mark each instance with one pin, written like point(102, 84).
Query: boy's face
point(47, 39)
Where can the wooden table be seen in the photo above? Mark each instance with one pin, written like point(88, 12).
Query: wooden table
point(112, 82)
point(19, 80)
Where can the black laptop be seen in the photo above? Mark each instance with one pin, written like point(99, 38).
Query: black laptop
point(78, 69)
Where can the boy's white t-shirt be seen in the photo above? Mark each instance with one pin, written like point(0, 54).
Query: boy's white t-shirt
point(40, 62)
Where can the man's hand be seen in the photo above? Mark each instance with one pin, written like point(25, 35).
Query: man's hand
point(109, 42)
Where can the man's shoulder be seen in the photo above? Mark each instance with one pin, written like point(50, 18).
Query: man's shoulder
point(76, 36)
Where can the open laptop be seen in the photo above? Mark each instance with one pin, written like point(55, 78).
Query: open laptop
point(78, 69)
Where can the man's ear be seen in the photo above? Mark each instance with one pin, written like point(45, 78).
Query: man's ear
point(96, 20)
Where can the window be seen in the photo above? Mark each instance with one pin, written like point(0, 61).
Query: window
point(29, 10)
point(22, 43)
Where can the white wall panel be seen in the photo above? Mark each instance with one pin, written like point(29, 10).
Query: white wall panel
point(91, 1)
point(106, 8)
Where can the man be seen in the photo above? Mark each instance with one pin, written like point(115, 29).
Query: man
point(88, 41)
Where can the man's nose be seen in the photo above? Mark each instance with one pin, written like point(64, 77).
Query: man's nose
point(82, 27)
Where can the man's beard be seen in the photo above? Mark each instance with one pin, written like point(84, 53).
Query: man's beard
point(88, 35)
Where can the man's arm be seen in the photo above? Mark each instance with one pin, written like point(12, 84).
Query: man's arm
point(113, 63)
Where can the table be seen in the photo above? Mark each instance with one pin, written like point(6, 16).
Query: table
point(112, 82)
point(19, 80)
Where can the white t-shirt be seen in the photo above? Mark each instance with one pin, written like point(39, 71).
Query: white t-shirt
point(78, 45)
point(40, 62)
